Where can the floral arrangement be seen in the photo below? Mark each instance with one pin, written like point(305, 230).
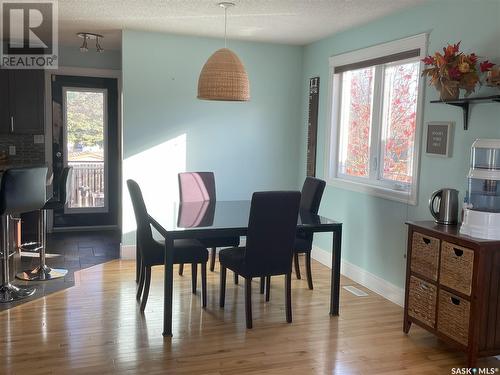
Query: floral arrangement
point(454, 70)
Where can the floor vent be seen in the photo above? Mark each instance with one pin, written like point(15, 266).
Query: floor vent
point(357, 292)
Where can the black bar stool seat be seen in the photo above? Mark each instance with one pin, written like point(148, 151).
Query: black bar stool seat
point(21, 190)
point(43, 272)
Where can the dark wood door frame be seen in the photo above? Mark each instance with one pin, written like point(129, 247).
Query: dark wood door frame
point(84, 72)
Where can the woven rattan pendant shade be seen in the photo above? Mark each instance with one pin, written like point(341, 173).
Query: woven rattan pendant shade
point(224, 78)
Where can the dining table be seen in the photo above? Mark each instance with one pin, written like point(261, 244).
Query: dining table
point(210, 219)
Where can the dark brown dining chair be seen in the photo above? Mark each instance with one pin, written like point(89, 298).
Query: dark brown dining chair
point(199, 187)
point(269, 247)
point(312, 192)
point(152, 252)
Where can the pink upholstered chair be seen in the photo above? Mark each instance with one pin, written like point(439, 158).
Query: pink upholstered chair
point(199, 187)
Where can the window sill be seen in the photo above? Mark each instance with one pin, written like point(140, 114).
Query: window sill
point(376, 191)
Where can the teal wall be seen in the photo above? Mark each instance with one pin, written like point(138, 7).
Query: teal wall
point(70, 56)
point(250, 146)
point(374, 230)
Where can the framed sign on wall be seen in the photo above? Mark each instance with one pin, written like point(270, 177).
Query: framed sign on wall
point(439, 139)
point(312, 126)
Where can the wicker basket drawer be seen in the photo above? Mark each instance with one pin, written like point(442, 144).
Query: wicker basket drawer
point(425, 255)
point(457, 264)
point(422, 301)
point(453, 317)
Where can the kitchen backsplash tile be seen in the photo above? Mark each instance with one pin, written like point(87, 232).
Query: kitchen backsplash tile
point(27, 152)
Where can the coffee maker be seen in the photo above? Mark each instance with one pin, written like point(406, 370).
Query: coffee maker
point(482, 208)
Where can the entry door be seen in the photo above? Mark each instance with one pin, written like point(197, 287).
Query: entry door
point(85, 137)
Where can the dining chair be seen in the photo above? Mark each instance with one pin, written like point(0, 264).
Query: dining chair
point(269, 246)
point(312, 192)
point(199, 187)
point(152, 252)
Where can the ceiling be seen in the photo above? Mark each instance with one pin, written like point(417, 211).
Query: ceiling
point(280, 21)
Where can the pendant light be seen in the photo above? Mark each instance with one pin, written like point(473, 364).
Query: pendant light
point(223, 77)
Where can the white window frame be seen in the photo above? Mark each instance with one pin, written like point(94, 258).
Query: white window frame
point(379, 188)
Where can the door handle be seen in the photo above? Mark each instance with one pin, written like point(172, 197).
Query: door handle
point(12, 124)
point(58, 154)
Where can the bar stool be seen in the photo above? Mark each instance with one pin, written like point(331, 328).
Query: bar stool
point(21, 190)
point(43, 272)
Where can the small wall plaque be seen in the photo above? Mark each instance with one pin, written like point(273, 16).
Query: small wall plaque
point(439, 139)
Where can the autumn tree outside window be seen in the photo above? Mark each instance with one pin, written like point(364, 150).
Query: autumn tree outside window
point(376, 102)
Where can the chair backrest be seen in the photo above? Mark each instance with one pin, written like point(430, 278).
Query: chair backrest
point(65, 185)
point(271, 232)
point(312, 191)
point(144, 234)
point(23, 190)
point(196, 214)
point(196, 186)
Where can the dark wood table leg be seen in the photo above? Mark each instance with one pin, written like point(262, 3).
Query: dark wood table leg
point(168, 288)
point(335, 273)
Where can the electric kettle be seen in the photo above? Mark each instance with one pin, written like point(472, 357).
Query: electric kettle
point(448, 206)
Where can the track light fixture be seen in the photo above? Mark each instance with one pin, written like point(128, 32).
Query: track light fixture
point(90, 36)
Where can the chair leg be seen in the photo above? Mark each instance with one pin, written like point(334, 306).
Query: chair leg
point(147, 283)
point(194, 276)
point(138, 261)
point(297, 266)
point(248, 301)
point(308, 270)
point(236, 279)
point(181, 269)
point(262, 284)
point(222, 295)
point(288, 297)
point(204, 284)
point(140, 286)
point(268, 288)
point(212, 259)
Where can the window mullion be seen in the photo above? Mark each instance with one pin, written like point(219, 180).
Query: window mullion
point(376, 133)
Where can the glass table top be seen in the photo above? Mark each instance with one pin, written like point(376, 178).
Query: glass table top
point(222, 215)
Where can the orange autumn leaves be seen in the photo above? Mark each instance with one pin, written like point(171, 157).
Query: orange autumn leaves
point(454, 69)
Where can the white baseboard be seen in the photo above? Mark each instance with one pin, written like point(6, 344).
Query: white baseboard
point(127, 251)
point(370, 281)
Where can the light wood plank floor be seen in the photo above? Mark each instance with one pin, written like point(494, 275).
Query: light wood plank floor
point(96, 328)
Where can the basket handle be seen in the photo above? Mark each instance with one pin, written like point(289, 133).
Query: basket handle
point(424, 286)
point(458, 252)
point(426, 240)
point(455, 301)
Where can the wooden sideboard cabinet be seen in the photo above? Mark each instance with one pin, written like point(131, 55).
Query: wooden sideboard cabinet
point(453, 288)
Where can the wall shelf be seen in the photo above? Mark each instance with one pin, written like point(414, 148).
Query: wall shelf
point(464, 103)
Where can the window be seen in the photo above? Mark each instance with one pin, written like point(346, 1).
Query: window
point(375, 116)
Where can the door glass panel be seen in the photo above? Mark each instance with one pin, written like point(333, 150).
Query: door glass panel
point(85, 112)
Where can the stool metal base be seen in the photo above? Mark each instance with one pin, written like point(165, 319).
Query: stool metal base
point(42, 273)
point(10, 293)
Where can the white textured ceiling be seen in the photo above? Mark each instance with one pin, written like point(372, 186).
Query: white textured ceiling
point(281, 21)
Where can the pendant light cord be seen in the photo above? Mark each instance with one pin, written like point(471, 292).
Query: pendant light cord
point(225, 27)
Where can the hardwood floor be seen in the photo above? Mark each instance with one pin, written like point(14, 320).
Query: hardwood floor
point(68, 250)
point(95, 327)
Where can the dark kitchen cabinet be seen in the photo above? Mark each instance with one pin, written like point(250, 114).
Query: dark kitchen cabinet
point(4, 102)
point(22, 101)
